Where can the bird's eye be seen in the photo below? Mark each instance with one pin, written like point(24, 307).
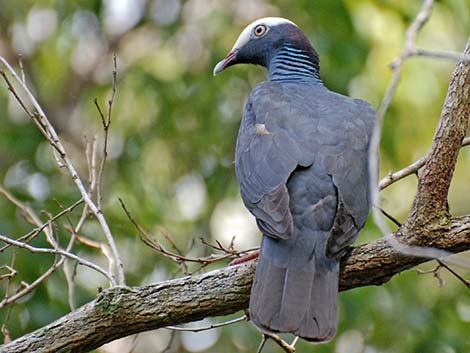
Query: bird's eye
point(260, 30)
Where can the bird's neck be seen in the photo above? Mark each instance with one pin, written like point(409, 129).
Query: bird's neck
point(292, 64)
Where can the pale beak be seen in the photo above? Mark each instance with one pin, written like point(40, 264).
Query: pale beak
point(229, 60)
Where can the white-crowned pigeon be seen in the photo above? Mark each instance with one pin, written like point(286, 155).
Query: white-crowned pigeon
point(302, 166)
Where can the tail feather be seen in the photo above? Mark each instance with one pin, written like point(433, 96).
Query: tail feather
point(298, 300)
point(322, 319)
point(271, 285)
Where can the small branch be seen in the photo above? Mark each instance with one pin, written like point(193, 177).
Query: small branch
point(57, 251)
point(42, 227)
point(150, 241)
point(210, 327)
point(29, 213)
point(106, 123)
point(8, 284)
point(288, 348)
point(440, 54)
point(11, 272)
point(459, 277)
point(413, 168)
point(50, 134)
point(390, 217)
point(436, 273)
point(90, 153)
point(28, 288)
point(264, 339)
point(170, 342)
point(20, 64)
point(410, 39)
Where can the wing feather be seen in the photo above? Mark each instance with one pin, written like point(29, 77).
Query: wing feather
point(302, 126)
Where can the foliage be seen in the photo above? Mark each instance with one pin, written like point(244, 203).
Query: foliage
point(172, 142)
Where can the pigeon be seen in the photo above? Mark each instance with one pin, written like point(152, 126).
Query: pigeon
point(301, 162)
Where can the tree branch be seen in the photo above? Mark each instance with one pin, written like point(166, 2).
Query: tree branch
point(413, 168)
point(62, 159)
point(122, 311)
point(434, 181)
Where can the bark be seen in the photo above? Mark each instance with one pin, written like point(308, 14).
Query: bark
point(434, 182)
point(121, 311)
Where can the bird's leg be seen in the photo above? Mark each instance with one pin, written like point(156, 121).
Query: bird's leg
point(245, 258)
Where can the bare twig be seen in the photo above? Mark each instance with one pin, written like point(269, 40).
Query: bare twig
point(264, 339)
point(466, 282)
point(11, 272)
point(170, 342)
point(440, 54)
point(103, 247)
point(154, 244)
point(58, 251)
point(9, 278)
point(11, 88)
point(69, 272)
point(210, 327)
point(29, 287)
point(29, 213)
point(20, 64)
point(4, 329)
point(106, 123)
point(50, 134)
point(90, 153)
point(390, 217)
point(436, 273)
point(220, 247)
point(396, 65)
point(166, 234)
point(42, 227)
point(391, 178)
point(288, 348)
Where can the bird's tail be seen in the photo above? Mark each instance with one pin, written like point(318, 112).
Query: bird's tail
point(288, 297)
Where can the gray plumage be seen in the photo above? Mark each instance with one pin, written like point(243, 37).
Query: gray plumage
point(305, 179)
point(301, 163)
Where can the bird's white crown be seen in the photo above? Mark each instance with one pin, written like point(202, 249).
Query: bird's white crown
point(245, 36)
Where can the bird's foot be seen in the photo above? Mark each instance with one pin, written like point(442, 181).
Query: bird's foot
point(245, 258)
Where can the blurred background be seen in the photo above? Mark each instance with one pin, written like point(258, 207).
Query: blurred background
point(172, 140)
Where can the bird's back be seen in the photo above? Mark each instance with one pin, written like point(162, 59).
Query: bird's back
point(301, 162)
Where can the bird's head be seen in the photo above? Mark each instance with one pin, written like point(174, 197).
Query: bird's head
point(263, 39)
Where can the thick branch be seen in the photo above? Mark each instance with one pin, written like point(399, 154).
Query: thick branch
point(122, 311)
point(435, 179)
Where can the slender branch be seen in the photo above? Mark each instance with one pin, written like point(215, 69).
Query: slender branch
point(440, 54)
point(153, 243)
point(170, 342)
point(413, 168)
point(264, 339)
point(32, 234)
point(210, 327)
point(288, 348)
point(466, 282)
point(57, 251)
point(49, 132)
point(410, 39)
point(106, 123)
point(31, 216)
point(28, 288)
